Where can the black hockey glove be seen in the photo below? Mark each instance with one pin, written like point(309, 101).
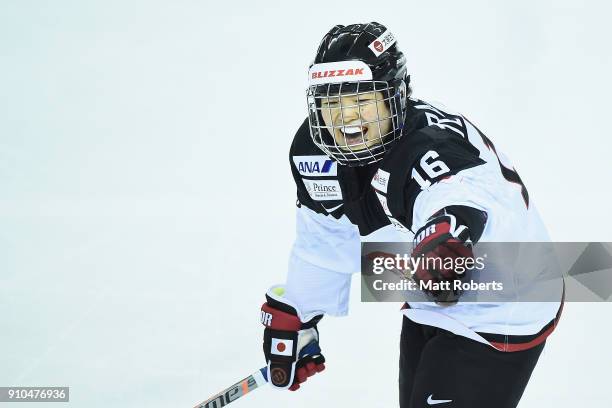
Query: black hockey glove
point(441, 242)
point(291, 342)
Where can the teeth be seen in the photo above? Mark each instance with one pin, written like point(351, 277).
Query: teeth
point(351, 130)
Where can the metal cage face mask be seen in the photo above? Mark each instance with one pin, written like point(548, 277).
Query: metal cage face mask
point(354, 122)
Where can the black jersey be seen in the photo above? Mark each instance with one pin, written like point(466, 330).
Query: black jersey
point(441, 161)
point(434, 145)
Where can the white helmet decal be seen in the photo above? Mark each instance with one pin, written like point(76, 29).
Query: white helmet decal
point(337, 72)
point(382, 43)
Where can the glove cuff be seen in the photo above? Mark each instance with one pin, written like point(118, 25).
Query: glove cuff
point(275, 298)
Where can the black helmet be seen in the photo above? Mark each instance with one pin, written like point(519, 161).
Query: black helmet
point(357, 93)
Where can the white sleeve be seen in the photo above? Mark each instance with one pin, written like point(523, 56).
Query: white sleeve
point(483, 188)
point(325, 254)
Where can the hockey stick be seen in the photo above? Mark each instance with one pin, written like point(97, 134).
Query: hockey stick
point(241, 388)
point(253, 381)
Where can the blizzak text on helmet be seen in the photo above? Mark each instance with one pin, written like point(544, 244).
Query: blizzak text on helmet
point(337, 73)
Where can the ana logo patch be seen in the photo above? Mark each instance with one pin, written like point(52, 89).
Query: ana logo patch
point(323, 190)
point(382, 43)
point(315, 166)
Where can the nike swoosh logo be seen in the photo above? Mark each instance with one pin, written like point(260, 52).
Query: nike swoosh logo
point(432, 401)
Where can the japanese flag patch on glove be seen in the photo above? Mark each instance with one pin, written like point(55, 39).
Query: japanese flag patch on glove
point(291, 341)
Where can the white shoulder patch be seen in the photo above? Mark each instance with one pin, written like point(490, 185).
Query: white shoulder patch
point(315, 166)
point(382, 43)
point(340, 71)
point(323, 190)
point(381, 180)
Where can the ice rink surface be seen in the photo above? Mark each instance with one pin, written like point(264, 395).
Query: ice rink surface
point(146, 202)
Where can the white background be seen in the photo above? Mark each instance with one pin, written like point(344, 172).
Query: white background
point(146, 202)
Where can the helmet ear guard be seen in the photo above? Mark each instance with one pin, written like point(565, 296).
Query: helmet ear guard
point(400, 97)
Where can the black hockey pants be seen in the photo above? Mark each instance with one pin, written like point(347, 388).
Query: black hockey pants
point(441, 369)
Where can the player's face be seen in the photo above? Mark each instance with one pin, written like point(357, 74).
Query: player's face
point(358, 121)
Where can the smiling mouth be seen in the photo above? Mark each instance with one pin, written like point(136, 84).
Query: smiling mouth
point(354, 135)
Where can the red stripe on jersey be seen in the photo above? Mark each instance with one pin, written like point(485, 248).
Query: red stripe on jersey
point(523, 346)
point(539, 339)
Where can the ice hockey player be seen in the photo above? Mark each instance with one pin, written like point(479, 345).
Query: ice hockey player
point(371, 163)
